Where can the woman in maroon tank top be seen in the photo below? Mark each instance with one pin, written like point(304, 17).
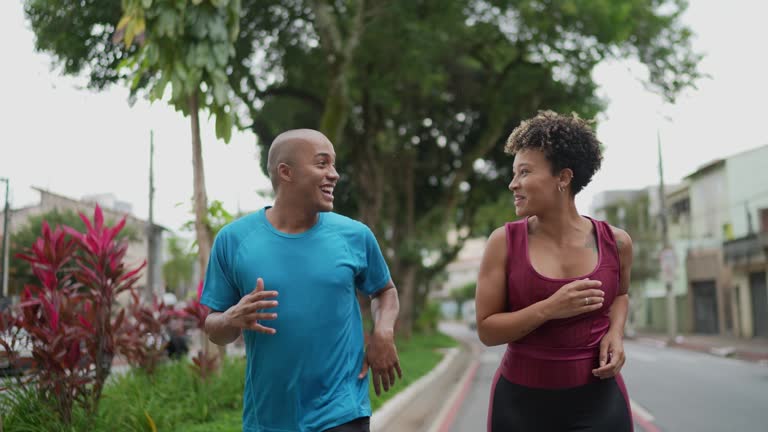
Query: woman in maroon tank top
point(553, 287)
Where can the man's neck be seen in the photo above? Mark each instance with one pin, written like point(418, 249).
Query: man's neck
point(291, 219)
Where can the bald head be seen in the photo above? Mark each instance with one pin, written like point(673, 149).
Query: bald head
point(285, 148)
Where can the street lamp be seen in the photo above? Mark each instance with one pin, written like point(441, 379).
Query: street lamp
point(6, 216)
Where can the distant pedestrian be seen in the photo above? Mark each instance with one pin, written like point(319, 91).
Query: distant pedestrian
point(177, 347)
point(553, 287)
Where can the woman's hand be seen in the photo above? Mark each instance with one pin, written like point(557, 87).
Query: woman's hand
point(575, 298)
point(612, 355)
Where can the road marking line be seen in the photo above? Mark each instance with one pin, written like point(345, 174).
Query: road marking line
point(640, 411)
point(642, 417)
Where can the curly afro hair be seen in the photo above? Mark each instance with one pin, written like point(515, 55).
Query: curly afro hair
point(566, 141)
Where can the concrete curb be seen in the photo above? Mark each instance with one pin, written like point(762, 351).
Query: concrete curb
point(724, 351)
point(447, 415)
point(382, 417)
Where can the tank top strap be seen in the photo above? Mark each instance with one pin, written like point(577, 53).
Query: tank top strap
point(515, 245)
point(607, 243)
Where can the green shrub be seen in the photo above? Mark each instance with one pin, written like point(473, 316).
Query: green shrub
point(427, 320)
point(174, 398)
point(23, 410)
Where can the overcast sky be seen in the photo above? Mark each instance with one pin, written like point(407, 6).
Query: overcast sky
point(77, 142)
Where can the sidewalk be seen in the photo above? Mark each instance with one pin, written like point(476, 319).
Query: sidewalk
point(753, 350)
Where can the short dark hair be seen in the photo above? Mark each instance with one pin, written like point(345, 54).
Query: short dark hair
point(566, 141)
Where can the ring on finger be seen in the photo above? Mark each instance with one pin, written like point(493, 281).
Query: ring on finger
point(586, 301)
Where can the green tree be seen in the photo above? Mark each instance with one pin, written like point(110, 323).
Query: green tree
point(178, 269)
point(216, 218)
point(416, 96)
point(432, 89)
point(188, 45)
point(461, 295)
point(79, 36)
point(634, 216)
point(150, 45)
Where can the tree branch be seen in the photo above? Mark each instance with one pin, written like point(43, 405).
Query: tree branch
point(327, 28)
point(292, 92)
point(340, 53)
point(490, 136)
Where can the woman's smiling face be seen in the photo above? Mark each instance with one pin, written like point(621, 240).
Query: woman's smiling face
point(534, 185)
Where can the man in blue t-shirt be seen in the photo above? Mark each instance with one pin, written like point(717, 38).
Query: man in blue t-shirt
point(286, 278)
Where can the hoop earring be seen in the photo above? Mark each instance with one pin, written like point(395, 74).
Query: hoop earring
point(560, 188)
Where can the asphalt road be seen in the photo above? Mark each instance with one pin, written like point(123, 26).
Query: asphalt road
point(672, 390)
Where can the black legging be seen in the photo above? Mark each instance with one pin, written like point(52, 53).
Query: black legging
point(361, 424)
point(595, 407)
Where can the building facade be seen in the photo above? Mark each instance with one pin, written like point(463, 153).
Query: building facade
point(718, 229)
point(137, 249)
point(745, 248)
point(637, 211)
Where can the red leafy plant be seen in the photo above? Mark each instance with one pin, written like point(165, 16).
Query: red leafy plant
point(203, 363)
point(72, 317)
point(142, 336)
point(52, 313)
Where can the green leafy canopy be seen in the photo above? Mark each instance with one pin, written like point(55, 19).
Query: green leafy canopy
point(187, 45)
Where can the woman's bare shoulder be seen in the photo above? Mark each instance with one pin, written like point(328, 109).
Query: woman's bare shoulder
point(623, 240)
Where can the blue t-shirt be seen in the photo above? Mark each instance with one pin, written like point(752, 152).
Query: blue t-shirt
point(304, 377)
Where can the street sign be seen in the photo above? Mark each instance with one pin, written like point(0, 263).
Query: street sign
point(668, 261)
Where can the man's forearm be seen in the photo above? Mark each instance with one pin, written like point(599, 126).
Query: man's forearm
point(219, 332)
point(384, 308)
point(618, 313)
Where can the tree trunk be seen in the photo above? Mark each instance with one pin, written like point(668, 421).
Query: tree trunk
point(202, 230)
point(339, 53)
point(407, 292)
point(407, 260)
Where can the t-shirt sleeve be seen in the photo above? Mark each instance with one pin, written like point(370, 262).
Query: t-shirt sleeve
point(219, 290)
point(374, 273)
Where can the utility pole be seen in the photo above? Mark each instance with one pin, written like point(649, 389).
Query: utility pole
point(668, 259)
point(151, 246)
point(6, 235)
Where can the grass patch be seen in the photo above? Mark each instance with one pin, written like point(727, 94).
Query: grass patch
point(170, 397)
point(174, 399)
point(417, 357)
point(227, 421)
point(135, 401)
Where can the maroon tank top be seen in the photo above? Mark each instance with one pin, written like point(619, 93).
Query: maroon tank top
point(560, 353)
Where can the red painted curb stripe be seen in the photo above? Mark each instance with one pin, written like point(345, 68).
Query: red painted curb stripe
point(646, 425)
point(451, 416)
